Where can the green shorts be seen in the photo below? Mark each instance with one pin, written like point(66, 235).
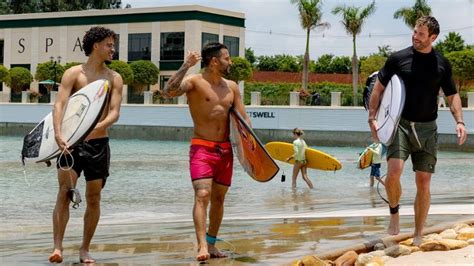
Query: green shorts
point(418, 139)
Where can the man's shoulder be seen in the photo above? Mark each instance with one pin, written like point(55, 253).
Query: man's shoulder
point(402, 53)
point(74, 69)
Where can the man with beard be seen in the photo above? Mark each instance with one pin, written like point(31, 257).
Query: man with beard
point(423, 71)
point(210, 98)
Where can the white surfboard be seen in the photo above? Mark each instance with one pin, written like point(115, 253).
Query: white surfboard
point(390, 109)
point(82, 113)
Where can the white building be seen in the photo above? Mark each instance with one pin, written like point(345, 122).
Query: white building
point(161, 34)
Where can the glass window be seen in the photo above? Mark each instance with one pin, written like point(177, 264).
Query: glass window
point(117, 48)
point(209, 37)
point(1, 51)
point(172, 46)
point(232, 44)
point(139, 46)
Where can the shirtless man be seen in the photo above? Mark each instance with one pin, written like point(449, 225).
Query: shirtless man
point(210, 98)
point(98, 44)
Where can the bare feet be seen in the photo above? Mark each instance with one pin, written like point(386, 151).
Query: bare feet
point(84, 257)
point(394, 226)
point(56, 256)
point(417, 240)
point(203, 254)
point(215, 252)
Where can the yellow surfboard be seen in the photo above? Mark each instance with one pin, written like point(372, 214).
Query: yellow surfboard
point(315, 159)
point(365, 159)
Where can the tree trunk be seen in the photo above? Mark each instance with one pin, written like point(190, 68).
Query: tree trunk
point(355, 72)
point(306, 62)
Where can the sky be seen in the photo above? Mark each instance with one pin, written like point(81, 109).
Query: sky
point(273, 26)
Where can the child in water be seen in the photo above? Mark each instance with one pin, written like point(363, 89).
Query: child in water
point(377, 154)
point(299, 147)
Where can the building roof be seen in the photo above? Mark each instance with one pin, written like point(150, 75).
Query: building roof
point(126, 15)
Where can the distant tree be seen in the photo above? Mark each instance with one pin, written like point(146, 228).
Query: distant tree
point(353, 18)
point(411, 14)
point(145, 73)
point(322, 65)
point(124, 69)
point(462, 63)
point(310, 17)
point(371, 64)
point(71, 64)
point(3, 73)
point(250, 56)
point(19, 78)
point(34, 6)
point(340, 65)
point(241, 69)
point(451, 43)
point(267, 63)
point(469, 46)
point(287, 63)
point(47, 70)
point(384, 51)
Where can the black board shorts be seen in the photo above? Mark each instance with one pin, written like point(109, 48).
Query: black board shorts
point(92, 157)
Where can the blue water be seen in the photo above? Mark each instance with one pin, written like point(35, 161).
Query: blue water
point(148, 198)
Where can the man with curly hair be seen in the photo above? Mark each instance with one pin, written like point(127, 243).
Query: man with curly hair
point(93, 154)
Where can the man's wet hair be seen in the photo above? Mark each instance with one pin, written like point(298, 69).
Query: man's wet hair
point(430, 22)
point(94, 35)
point(212, 49)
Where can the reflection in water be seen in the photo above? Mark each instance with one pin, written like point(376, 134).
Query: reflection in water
point(147, 202)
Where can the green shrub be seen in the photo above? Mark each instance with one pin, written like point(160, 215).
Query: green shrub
point(241, 69)
point(145, 73)
point(3, 73)
point(49, 70)
point(123, 69)
point(462, 63)
point(19, 78)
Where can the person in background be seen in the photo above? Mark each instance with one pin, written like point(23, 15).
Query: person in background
point(377, 155)
point(299, 147)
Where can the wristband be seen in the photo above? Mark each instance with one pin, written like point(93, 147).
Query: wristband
point(460, 122)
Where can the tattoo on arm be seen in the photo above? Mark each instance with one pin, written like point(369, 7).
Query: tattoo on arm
point(176, 86)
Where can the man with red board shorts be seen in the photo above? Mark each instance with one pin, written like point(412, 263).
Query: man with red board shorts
point(210, 98)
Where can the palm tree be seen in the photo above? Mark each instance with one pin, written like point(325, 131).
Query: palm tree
point(352, 19)
point(411, 14)
point(310, 17)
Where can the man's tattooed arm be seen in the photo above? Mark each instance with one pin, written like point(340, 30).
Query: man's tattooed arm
point(177, 85)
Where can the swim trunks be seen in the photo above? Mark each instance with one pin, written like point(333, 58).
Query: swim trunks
point(210, 159)
point(92, 157)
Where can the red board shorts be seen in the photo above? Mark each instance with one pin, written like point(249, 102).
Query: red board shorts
point(209, 159)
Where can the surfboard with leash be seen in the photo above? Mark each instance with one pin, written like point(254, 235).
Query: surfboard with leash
point(82, 113)
point(250, 151)
point(391, 106)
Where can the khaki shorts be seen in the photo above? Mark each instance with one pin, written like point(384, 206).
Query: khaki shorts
point(418, 139)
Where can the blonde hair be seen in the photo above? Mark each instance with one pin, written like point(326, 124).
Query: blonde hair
point(299, 132)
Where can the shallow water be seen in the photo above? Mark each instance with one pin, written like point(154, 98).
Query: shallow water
point(147, 202)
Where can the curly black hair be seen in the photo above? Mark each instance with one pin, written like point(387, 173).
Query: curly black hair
point(94, 35)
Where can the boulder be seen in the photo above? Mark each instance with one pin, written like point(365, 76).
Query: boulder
point(407, 242)
point(379, 246)
point(454, 244)
point(309, 261)
point(347, 259)
point(433, 245)
point(470, 241)
point(448, 234)
point(458, 227)
point(466, 233)
point(397, 250)
point(363, 259)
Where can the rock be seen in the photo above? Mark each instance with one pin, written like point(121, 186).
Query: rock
point(448, 234)
point(348, 258)
point(386, 258)
point(309, 261)
point(433, 245)
point(376, 261)
point(458, 227)
point(377, 253)
point(432, 237)
point(379, 246)
point(454, 244)
point(397, 250)
point(363, 259)
point(411, 248)
point(470, 241)
point(466, 233)
point(407, 242)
